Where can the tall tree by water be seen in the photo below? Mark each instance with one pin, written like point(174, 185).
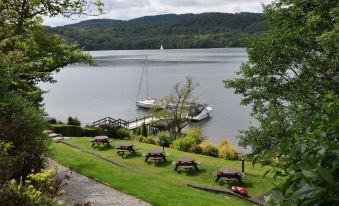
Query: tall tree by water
point(29, 56)
point(291, 80)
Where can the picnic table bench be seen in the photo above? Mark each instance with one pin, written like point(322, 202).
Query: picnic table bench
point(186, 163)
point(156, 154)
point(100, 140)
point(126, 147)
point(228, 174)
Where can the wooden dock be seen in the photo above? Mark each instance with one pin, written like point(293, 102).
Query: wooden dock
point(130, 125)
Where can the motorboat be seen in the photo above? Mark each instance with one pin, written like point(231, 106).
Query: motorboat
point(199, 111)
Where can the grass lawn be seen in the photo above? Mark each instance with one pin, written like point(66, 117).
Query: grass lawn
point(159, 185)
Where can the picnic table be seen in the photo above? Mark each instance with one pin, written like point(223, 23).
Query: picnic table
point(156, 154)
point(186, 163)
point(100, 140)
point(228, 174)
point(122, 148)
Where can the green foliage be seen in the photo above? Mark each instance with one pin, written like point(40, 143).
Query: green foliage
point(185, 143)
point(196, 133)
point(22, 126)
point(144, 131)
point(209, 149)
point(113, 132)
point(207, 30)
point(92, 132)
point(67, 130)
point(52, 121)
point(228, 151)
point(6, 163)
point(39, 189)
point(164, 139)
point(149, 140)
point(291, 80)
point(175, 118)
point(73, 121)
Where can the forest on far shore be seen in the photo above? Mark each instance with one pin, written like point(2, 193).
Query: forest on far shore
point(206, 30)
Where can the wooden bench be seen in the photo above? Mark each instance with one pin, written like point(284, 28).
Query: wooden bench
point(121, 152)
point(155, 159)
point(228, 180)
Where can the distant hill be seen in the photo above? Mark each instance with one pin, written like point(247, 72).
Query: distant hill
point(206, 30)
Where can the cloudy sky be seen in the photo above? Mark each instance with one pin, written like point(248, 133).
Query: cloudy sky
point(129, 9)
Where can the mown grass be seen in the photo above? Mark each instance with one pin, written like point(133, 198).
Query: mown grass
point(159, 184)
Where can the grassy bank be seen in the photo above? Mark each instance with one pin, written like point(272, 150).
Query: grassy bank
point(159, 185)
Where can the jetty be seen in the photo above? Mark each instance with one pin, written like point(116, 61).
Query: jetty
point(130, 125)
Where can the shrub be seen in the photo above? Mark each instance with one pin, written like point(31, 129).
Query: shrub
point(196, 133)
point(67, 130)
point(73, 121)
point(122, 133)
point(228, 151)
point(91, 132)
point(196, 149)
point(149, 140)
point(209, 149)
point(164, 139)
point(39, 189)
point(144, 130)
point(184, 143)
point(52, 120)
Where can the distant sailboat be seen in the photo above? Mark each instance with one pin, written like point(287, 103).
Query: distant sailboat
point(161, 48)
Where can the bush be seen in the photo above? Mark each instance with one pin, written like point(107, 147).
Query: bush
point(39, 189)
point(92, 132)
point(164, 139)
point(52, 121)
point(196, 149)
point(228, 151)
point(144, 130)
point(149, 140)
point(209, 149)
point(73, 121)
point(184, 143)
point(67, 130)
point(196, 133)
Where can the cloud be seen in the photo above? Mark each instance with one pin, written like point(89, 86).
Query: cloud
point(129, 9)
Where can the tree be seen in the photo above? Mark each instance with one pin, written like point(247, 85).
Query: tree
point(291, 81)
point(29, 56)
point(179, 102)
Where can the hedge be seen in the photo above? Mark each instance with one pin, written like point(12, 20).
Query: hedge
point(67, 130)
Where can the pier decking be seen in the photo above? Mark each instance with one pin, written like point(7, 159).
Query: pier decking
point(130, 125)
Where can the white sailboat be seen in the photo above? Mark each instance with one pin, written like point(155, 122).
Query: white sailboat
point(161, 48)
point(147, 102)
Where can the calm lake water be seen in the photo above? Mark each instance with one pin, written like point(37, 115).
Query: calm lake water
point(110, 88)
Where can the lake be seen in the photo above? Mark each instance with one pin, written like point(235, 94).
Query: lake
point(110, 88)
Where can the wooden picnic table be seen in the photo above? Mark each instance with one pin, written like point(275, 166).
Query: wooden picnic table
point(100, 140)
point(122, 148)
point(229, 173)
point(156, 154)
point(186, 163)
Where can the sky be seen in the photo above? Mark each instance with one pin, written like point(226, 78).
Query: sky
point(130, 9)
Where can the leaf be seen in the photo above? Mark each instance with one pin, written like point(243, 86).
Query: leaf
point(306, 189)
point(325, 174)
point(255, 159)
point(309, 174)
point(286, 185)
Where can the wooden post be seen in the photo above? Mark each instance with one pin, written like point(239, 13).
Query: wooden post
point(242, 167)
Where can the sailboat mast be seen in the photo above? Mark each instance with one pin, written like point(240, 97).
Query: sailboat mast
point(146, 78)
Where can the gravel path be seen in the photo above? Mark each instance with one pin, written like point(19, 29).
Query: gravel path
point(81, 189)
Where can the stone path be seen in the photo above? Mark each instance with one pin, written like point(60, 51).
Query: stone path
point(81, 189)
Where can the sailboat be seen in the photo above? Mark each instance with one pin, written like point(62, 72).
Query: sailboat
point(161, 48)
point(147, 102)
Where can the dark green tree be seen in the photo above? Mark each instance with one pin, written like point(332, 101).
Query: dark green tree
point(29, 56)
point(291, 80)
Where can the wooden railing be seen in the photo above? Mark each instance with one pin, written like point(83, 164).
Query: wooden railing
point(119, 123)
